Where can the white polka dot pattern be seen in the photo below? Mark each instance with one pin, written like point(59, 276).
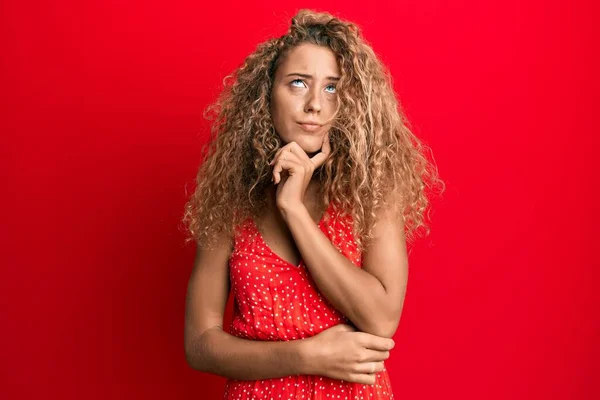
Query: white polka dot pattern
point(278, 301)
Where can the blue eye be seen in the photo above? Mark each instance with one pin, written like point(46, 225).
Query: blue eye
point(300, 80)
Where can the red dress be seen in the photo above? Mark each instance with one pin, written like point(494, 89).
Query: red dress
point(276, 300)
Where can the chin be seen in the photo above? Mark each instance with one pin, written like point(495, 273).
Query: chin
point(311, 149)
point(308, 143)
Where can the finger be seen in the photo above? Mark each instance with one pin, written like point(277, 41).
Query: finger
point(365, 379)
point(281, 149)
point(286, 153)
point(275, 156)
point(299, 151)
point(375, 342)
point(319, 158)
point(369, 367)
point(290, 166)
point(277, 169)
point(290, 156)
point(375, 355)
point(303, 159)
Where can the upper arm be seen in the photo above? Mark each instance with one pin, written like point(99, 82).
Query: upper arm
point(386, 259)
point(208, 290)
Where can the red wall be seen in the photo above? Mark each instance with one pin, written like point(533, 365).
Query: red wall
point(101, 132)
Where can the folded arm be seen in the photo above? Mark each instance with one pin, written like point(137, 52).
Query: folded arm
point(371, 297)
point(209, 349)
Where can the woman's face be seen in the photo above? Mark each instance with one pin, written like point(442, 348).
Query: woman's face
point(304, 92)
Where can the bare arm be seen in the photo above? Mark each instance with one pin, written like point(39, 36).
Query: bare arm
point(210, 349)
point(372, 296)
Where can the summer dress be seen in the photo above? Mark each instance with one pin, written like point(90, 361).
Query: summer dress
point(278, 301)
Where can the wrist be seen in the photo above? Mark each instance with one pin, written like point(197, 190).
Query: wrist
point(296, 211)
point(307, 357)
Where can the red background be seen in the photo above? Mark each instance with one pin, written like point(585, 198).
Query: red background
point(101, 133)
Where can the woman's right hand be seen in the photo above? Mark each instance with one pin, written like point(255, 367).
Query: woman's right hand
point(340, 352)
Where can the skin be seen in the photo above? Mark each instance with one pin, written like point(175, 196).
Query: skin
point(303, 90)
point(289, 226)
point(384, 272)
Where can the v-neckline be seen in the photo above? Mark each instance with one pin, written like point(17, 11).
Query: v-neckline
point(277, 256)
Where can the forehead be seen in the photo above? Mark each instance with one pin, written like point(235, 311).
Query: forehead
point(310, 59)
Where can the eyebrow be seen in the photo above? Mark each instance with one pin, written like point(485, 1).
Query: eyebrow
point(332, 78)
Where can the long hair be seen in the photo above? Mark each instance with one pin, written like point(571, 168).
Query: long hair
point(375, 158)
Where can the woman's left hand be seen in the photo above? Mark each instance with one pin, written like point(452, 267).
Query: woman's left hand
point(299, 169)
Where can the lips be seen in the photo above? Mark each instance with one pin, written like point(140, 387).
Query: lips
point(310, 127)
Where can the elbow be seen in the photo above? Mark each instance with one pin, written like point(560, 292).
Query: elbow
point(383, 325)
point(384, 329)
point(191, 359)
point(194, 355)
point(197, 347)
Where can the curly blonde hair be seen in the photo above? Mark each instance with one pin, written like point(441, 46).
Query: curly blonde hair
point(375, 158)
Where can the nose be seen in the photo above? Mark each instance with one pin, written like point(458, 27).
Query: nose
point(313, 102)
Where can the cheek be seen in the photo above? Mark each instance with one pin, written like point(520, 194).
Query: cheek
point(282, 108)
point(278, 114)
point(283, 104)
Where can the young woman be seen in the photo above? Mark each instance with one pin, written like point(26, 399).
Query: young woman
point(311, 181)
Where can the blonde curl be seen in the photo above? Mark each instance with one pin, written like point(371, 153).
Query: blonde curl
point(375, 160)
